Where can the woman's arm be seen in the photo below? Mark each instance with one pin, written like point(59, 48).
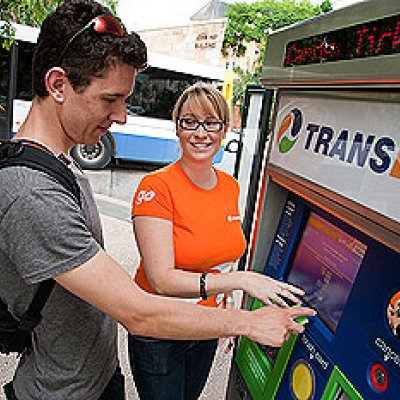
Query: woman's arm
point(155, 242)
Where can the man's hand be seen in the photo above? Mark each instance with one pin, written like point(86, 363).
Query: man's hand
point(272, 325)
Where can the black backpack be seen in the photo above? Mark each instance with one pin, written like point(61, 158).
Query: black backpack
point(16, 334)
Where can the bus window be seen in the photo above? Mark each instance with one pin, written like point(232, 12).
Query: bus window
point(24, 73)
point(156, 91)
point(5, 57)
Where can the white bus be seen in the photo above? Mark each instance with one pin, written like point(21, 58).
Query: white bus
point(149, 134)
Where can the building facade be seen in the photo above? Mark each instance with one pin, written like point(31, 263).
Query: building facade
point(199, 41)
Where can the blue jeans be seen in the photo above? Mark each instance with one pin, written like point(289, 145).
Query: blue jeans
point(170, 369)
point(115, 389)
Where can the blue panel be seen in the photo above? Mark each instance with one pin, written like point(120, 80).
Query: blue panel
point(150, 149)
point(363, 336)
point(290, 223)
point(307, 352)
point(219, 155)
point(145, 148)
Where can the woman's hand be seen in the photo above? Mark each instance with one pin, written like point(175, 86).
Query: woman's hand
point(269, 290)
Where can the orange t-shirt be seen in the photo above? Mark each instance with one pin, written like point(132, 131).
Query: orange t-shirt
point(207, 231)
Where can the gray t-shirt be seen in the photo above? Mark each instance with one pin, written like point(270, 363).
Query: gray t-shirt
point(44, 232)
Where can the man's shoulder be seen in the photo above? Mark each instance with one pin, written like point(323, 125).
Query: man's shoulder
point(25, 182)
point(20, 173)
point(25, 179)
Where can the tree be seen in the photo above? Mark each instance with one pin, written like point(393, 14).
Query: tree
point(253, 22)
point(248, 22)
point(32, 13)
point(239, 85)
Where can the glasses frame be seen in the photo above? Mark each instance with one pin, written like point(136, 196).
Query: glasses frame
point(200, 123)
point(119, 32)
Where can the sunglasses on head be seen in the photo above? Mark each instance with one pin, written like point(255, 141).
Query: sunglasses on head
point(107, 24)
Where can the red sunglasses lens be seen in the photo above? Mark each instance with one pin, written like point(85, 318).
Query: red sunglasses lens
point(108, 24)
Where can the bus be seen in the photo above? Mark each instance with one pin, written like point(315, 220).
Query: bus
point(149, 134)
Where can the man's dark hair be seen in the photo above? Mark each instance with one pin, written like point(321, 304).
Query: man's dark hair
point(90, 55)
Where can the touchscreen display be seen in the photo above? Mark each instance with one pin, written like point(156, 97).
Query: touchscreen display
point(325, 266)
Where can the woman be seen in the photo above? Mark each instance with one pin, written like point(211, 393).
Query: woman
point(187, 226)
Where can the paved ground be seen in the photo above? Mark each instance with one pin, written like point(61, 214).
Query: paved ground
point(114, 189)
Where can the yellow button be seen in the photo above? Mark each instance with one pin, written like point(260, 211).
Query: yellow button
point(302, 381)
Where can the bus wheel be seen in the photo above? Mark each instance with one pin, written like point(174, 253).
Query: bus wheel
point(93, 157)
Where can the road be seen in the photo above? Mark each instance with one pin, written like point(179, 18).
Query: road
point(114, 188)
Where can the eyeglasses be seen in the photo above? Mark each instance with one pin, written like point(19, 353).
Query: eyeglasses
point(191, 124)
point(107, 24)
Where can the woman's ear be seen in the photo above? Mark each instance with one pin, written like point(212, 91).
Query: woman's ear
point(55, 81)
point(223, 134)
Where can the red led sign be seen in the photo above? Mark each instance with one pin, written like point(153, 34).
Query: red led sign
point(371, 39)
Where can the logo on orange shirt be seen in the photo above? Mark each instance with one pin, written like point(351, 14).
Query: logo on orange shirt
point(145, 196)
point(232, 218)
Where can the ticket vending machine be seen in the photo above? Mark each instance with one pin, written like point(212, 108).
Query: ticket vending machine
point(328, 211)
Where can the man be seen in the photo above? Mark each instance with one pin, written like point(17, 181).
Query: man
point(83, 70)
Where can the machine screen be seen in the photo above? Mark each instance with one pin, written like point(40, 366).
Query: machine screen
point(325, 266)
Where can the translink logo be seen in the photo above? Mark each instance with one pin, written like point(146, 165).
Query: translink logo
point(359, 149)
point(289, 129)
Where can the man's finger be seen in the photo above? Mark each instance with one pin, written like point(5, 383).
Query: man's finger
point(299, 311)
point(294, 327)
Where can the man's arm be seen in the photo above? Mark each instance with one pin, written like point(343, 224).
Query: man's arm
point(103, 283)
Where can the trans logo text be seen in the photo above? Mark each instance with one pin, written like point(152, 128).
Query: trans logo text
point(360, 149)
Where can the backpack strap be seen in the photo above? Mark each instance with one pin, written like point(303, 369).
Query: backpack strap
point(35, 156)
point(32, 316)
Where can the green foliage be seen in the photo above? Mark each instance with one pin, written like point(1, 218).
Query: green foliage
point(31, 13)
point(248, 22)
point(27, 12)
point(326, 6)
point(253, 22)
point(239, 85)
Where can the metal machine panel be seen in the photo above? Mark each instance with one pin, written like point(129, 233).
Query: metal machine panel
point(358, 300)
point(318, 42)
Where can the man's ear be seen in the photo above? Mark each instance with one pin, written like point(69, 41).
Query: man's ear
point(55, 81)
